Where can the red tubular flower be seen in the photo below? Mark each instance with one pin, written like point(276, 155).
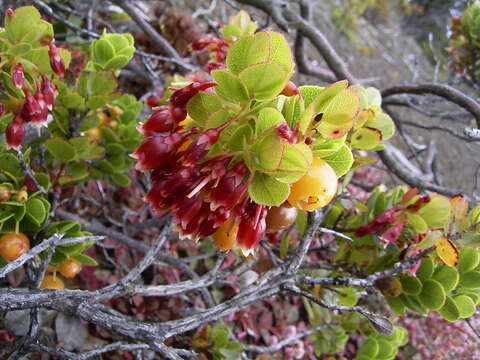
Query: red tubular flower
point(18, 76)
point(252, 227)
point(56, 61)
point(49, 92)
point(230, 188)
point(159, 151)
point(181, 96)
point(40, 117)
point(15, 133)
point(159, 122)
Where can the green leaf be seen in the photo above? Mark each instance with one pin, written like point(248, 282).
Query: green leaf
point(35, 210)
point(202, 105)
point(230, 87)
point(242, 135)
point(413, 303)
point(347, 297)
point(466, 306)
point(70, 250)
point(85, 260)
point(468, 260)
point(219, 334)
point(385, 349)
point(267, 153)
point(324, 147)
point(425, 271)
point(447, 276)
point(417, 222)
point(369, 348)
point(264, 81)
point(436, 212)
point(267, 118)
point(470, 280)
point(296, 160)
point(19, 49)
point(121, 179)
point(75, 171)
point(396, 305)
point(265, 190)
point(61, 149)
point(10, 165)
point(247, 51)
point(103, 51)
point(366, 138)
point(321, 97)
point(449, 310)
point(117, 62)
point(73, 101)
point(384, 123)
point(432, 295)
point(411, 285)
point(280, 52)
point(20, 22)
point(102, 82)
point(341, 161)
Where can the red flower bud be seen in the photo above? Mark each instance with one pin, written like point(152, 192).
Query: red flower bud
point(56, 61)
point(49, 92)
point(181, 96)
point(15, 133)
point(290, 89)
point(18, 76)
point(251, 229)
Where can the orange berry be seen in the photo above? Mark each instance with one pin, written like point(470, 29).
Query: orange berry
point(52, 282)
point(51, 268)
point(5, 193)
point(226, 236)
point(315, 189)
point(96, 133)
point(70, 267)
point(13, 245)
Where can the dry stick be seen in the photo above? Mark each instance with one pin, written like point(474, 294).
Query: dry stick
point(445, 91)
point(98, 228)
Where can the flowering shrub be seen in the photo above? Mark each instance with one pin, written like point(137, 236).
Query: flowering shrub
point(240, 158)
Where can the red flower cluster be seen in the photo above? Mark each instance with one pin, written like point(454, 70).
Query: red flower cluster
point(35, 109)
point(201, 193)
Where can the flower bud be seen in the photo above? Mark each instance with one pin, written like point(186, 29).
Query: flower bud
point(56, 61)
point(18, 76)
point(15, 133)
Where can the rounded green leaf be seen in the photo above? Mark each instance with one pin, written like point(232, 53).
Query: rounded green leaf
point(447, 276)
point(103, 51)
point(417, 222)
point(470, 280)
point(425, 271)
point(413, 303)
point(432, 295)
point(296, 159)
point(396, 305)
point(61, 149)
point(202, 105)
point(347, 297)
point(449, 310)
point(267, 118)
point(436, 212)
point(265, 190)
point(468, 259)
point(247, 51)
point(466, 306)
point(121, 179)
point(385, 349)
point(341, 161)
point(118, 62)
point(366, 138)
point(35, 211)
point(229, 86)
point(384, 123)
point(369, 348)
point(411, 285)
point(85, 259)
point(264, 81)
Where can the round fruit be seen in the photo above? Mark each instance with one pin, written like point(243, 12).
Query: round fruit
point(315, 189)
point(13, 245)
point(226, 236)
point(280, 217)
point(70, 267)
point(52, 282)
point(5, 193)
